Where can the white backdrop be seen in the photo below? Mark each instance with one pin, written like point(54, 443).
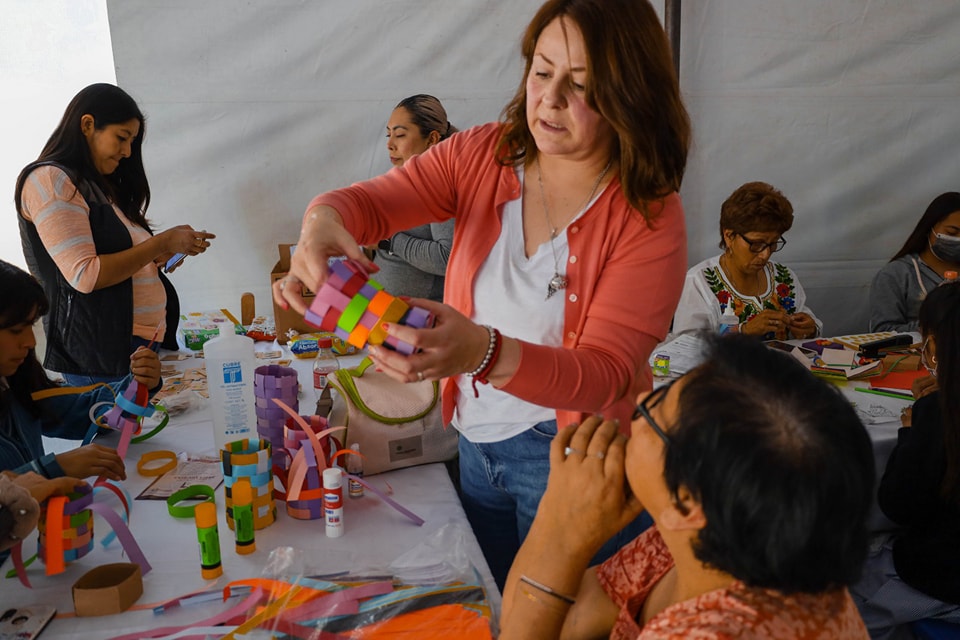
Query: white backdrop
point(848, 106)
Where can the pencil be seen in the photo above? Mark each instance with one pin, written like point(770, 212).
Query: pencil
point(888, 394)
point(156, 333)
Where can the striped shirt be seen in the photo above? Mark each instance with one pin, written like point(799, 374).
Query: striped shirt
point(53, 204)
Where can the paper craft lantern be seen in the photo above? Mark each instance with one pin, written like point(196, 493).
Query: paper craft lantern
point(354, 307)
point(250, 459)
point(274, 381)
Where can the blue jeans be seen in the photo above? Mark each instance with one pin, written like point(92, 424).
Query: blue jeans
point(501, 485)
point(77, 380)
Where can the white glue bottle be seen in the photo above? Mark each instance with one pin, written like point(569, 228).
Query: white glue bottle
point(230, 366)
point(729, 322)
point(333, 501)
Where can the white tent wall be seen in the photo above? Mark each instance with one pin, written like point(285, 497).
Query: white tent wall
point(848, 106)
point(253, 108)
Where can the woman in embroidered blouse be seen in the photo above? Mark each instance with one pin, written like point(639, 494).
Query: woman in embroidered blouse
point(932, 249)
point(766, 296)
point(82, 211)
point(758, 477)
point(568, 252)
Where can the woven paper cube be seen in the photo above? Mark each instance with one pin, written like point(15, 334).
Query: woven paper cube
point(355, 307)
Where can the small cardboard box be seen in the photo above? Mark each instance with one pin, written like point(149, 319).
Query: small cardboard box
point(285, 320)
point(107, 589)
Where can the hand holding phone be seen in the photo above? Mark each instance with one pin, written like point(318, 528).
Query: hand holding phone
point(175, 260)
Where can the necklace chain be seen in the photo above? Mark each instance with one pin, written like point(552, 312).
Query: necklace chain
point(559, 280)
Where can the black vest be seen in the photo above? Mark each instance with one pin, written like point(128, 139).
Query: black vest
point(90, 333)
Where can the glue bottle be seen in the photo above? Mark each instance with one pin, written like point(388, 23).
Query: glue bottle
point(333, 501)
point(354, 468)
point(729, 322)
point(325, 365)
point(230, 365)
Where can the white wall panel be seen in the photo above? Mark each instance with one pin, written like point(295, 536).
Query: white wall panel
point(848, 106)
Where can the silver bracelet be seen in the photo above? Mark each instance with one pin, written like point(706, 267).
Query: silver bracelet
point(542, 587)
point(491, 347)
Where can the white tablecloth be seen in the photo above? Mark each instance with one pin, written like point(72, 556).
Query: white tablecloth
point(375, 535)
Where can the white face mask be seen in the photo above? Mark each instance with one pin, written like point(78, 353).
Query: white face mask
point(923, 358)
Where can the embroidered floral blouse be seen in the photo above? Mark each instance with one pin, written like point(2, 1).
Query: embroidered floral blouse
point(707, 291)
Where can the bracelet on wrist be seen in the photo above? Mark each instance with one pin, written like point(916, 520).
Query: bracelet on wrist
point(545, 589)
point(489, 360)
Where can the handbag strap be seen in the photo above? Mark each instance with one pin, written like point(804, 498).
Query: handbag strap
point(347, 386)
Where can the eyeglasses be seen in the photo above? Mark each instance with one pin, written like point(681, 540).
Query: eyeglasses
point(643, 410)
point(758, 246)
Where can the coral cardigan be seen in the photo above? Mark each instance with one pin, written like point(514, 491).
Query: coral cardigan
point(625, 275)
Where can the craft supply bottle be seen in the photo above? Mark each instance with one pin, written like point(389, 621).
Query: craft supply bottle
point(333, 501)
point(230, 365)
point(354, 468)
point(729, 322)
point(325, 365)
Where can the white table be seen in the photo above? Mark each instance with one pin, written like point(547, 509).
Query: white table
point(375, 535)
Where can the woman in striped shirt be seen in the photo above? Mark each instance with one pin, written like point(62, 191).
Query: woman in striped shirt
point(82, 212)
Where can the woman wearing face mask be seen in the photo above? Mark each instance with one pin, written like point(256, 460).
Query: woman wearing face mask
point(914, 574)
point(931, 250)
point(413, 262)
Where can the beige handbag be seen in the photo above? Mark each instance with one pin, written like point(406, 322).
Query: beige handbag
point(396, 424)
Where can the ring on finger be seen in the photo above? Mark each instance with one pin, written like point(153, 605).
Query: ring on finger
point(600, 455)
point(420, 376)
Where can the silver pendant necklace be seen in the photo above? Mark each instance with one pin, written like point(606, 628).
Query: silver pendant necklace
point(559, 280)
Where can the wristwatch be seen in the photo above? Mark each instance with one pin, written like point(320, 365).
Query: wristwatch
point(385, 246)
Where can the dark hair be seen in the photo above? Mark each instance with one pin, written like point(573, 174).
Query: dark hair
point(631, 83)
point(22, 300)
point(942, 206)
point(782, 467)
point(428, 114)
point(755, 206)
point(127, 187)
point(940, 317)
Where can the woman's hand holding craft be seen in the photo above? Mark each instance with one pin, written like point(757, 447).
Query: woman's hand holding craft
point(453, 346)
point(42, 488)
point(322, 237)
point(92, 460)
point(145, 367)
point(768, 320)
point(802, 326)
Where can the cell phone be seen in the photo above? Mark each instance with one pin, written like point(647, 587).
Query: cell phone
point(25, 623)
point(780, 345)
point(174, 261)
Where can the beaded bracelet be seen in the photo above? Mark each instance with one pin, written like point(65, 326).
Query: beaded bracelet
point(544, 588)
point(489, 360)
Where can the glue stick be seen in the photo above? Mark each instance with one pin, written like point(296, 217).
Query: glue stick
point(208, 536)
point(242, 494)
point(333, 501)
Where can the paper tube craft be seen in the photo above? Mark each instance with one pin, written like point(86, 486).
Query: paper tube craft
point(66, 532)
point(355, 307)
point(251, 459)
point(274, 381)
